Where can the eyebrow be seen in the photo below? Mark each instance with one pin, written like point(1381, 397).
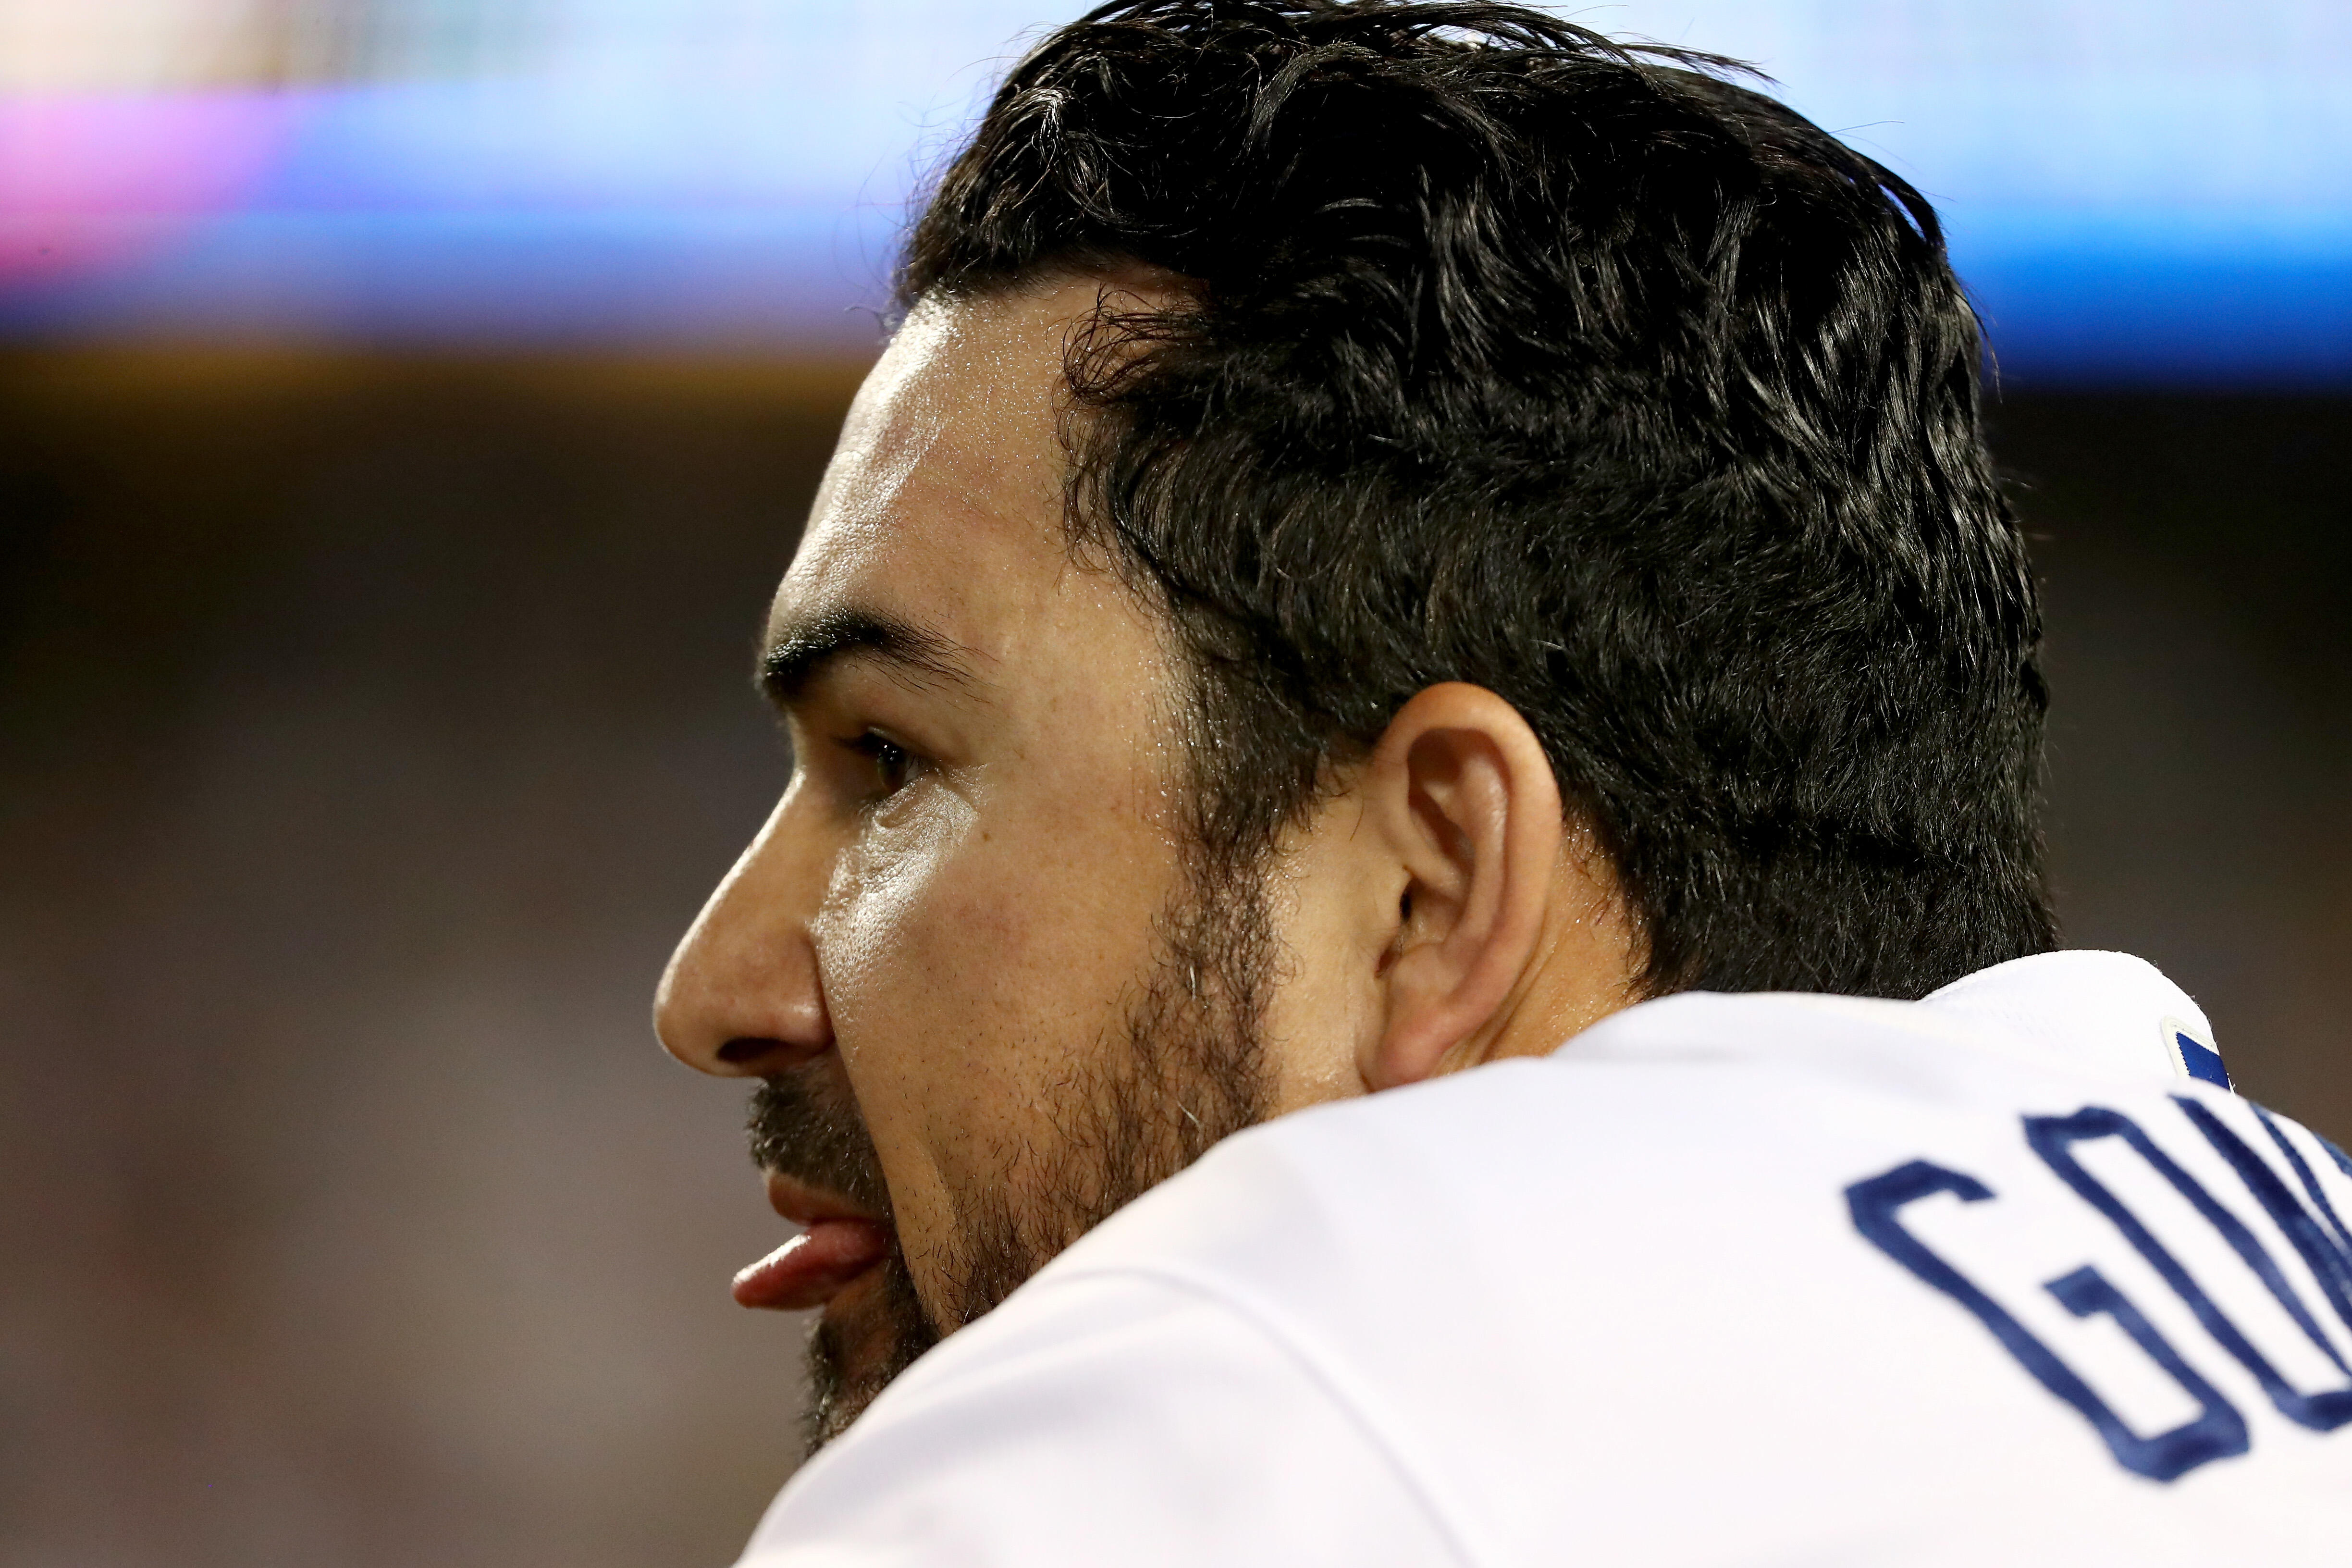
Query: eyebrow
point(913, 655)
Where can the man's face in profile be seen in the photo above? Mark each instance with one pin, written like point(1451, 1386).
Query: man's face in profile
point(992, 989)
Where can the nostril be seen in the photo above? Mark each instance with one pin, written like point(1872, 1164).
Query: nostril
point(740, 1051)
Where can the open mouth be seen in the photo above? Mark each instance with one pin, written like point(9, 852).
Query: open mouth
point(838, 1243)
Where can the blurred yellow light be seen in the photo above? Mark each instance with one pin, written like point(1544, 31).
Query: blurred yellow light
point(100, 44)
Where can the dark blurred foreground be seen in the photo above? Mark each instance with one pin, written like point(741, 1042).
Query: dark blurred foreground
point(371, 727)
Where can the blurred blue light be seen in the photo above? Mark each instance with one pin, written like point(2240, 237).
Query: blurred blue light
point(2137, 190)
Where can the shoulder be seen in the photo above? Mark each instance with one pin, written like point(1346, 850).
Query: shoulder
point(1835, 1261)
point(1725, 1279)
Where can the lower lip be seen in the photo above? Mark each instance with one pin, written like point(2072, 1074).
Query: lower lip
point(813, 1266)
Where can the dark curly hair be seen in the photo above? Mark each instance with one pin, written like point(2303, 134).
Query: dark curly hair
point(1503, 352)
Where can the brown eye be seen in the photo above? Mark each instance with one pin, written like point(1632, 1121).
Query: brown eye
point(892, 765)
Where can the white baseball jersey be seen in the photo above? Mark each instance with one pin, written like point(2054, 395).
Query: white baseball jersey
point(1989, 1278)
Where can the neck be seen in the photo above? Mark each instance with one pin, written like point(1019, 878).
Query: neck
point(1587, 966)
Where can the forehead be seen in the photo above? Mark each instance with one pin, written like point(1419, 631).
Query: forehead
point(943, 504)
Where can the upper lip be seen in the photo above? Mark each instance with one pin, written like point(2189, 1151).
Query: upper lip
point(804, 1205)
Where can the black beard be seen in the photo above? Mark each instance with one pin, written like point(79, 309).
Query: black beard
point(805, 1127)
point(851, 1359)
point(1187, 1071)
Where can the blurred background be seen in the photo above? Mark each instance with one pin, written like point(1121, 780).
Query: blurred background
point(405, 407)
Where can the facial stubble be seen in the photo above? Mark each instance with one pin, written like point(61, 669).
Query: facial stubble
point(1183, 1070)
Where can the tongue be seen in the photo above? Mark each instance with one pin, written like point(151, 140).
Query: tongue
point(812, 1267)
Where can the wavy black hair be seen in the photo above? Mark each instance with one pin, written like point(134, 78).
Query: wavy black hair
point(1507, 354)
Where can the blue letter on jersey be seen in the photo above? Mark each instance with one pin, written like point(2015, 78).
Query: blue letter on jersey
point(2218, 1432)
point(2053, 1138)
point(2327, 1250)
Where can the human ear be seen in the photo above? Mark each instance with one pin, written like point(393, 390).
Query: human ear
point(1468, 812)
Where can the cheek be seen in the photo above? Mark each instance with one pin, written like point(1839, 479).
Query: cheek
point(920, 926)
point(967, 968)
point(887, 941)
point(900, 926)
point(924, 930)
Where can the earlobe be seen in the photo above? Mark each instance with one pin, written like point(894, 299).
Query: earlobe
point(1465, 798)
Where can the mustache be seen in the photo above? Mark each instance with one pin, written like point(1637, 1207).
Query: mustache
point(805, 1125)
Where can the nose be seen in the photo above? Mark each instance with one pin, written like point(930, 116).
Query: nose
point(741, 996)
